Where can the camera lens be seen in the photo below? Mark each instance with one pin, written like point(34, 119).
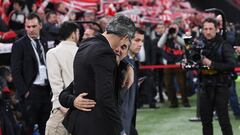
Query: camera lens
point(172, 31)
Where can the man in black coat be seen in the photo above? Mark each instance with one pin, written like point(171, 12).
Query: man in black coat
point(95, 69)
point(30, 75)
point(218, 56)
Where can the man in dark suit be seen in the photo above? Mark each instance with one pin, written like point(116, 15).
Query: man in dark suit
point(30, 75)
point(129, 96)
point(94, 73)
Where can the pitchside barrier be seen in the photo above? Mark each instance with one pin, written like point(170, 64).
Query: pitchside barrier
point(237, 69)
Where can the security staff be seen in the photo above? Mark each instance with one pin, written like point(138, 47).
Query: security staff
point(215, 80)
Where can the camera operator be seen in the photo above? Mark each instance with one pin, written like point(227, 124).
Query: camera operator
point(173, 53)
point(215, 80)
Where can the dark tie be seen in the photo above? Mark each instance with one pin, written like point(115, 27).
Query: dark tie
point(39, 51)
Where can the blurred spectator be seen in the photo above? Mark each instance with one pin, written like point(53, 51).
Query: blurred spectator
point(103, 22)
point(71, 16)
point(157, 57)
point(147, 90)
point(89, 32)
point(3, 26)
point(230, 34)
point(52, 17)
point(233, 99)
point(51, 24)
point(31, 5)
point(237, 28)
point(17, 16)
point(172, 44)
point(89, 16)
point(61, 10)
point(33, 8)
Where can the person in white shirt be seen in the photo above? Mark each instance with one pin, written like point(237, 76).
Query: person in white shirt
point(60, 73)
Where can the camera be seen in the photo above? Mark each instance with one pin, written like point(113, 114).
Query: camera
point(194, 51)
point(171, 31)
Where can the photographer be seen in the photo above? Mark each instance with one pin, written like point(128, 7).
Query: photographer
point(215, 80)
point(173, 53)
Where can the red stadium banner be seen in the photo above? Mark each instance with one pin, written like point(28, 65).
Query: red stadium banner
point(84, 5)
point(86, 1)
point(113, 1)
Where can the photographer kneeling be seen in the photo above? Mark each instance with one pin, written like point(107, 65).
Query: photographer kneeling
point(215, 80)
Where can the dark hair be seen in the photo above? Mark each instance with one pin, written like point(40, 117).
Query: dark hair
point(4, 71)
point(121, 25)
point(140, 31)
point(211, 20)
point(67, 28)
point(34, 16)
point(20, 2)
point(81, 31)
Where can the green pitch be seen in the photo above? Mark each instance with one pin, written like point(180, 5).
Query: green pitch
point(166, 121)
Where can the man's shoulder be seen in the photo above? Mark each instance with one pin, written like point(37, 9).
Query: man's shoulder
point(95, 45)
point(51, 51)
point(21, 40)
point(56, 52)
point(20, 43)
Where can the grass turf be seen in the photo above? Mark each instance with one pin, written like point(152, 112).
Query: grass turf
point(167, 121)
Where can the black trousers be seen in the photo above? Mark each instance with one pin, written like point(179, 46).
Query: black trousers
point(36, 108)
point(215, 96)
point(147, 90)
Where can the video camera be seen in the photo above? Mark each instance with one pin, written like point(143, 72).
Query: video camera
point(195, 52)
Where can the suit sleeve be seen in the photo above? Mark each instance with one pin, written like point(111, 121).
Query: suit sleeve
point(67, 97)
point(125, 62)
point(55, 76)
point(17, 70)
point(229, 60)
point(103, 68)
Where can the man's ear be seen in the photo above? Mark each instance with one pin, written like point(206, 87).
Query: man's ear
point(218, 29)
point(125, 37)
point(72, 35)
point(41, 25)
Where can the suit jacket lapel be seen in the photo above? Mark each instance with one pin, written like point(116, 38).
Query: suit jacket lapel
point(30, 49)
point(44, 44)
